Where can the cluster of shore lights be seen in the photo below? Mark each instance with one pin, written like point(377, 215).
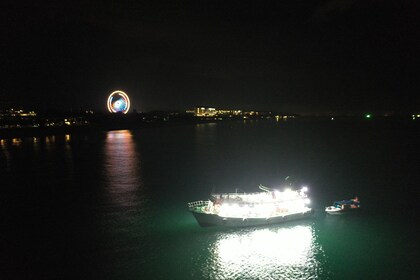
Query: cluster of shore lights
point(292, 201)
point(118, 102)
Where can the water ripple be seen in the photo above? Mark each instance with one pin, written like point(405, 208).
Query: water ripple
point(269, 253)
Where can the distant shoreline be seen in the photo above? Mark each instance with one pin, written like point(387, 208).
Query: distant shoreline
point(9, 133)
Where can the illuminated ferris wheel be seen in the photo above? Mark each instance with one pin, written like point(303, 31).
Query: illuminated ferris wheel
point(118, 102)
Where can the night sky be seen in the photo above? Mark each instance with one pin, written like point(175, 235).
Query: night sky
point(307, 57)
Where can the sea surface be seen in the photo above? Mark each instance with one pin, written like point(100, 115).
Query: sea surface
point(112, 205)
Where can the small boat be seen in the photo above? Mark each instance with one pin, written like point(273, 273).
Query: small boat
point(343, 206)
point(251, 209)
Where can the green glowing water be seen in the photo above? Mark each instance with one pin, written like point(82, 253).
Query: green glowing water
point(113, 206)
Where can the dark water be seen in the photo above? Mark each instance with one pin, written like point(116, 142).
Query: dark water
point(113, 205)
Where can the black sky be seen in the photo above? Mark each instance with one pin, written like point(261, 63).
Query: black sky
point(292, 56)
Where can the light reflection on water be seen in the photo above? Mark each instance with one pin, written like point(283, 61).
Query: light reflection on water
point(114, 207)
point(122, 165)
point(124, 203)
point(4, 156)
point(266, 253)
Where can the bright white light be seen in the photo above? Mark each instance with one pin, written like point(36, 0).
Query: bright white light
point(307, 201)
point(224, 210)
point(289, 194)
point(304, 189)
point(287, 245)
point(265, 254)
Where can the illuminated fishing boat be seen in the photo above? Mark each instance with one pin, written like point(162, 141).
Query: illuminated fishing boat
point(251, 209)
point(343, 206)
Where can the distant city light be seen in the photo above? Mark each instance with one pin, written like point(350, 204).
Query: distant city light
point(118, 102)
point(213, 112)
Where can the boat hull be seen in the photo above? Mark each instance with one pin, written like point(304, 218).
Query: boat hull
point(207, 220)
point(334, 212)
point(341, 211)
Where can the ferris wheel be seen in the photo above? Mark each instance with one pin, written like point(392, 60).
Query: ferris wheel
point(118, 102)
